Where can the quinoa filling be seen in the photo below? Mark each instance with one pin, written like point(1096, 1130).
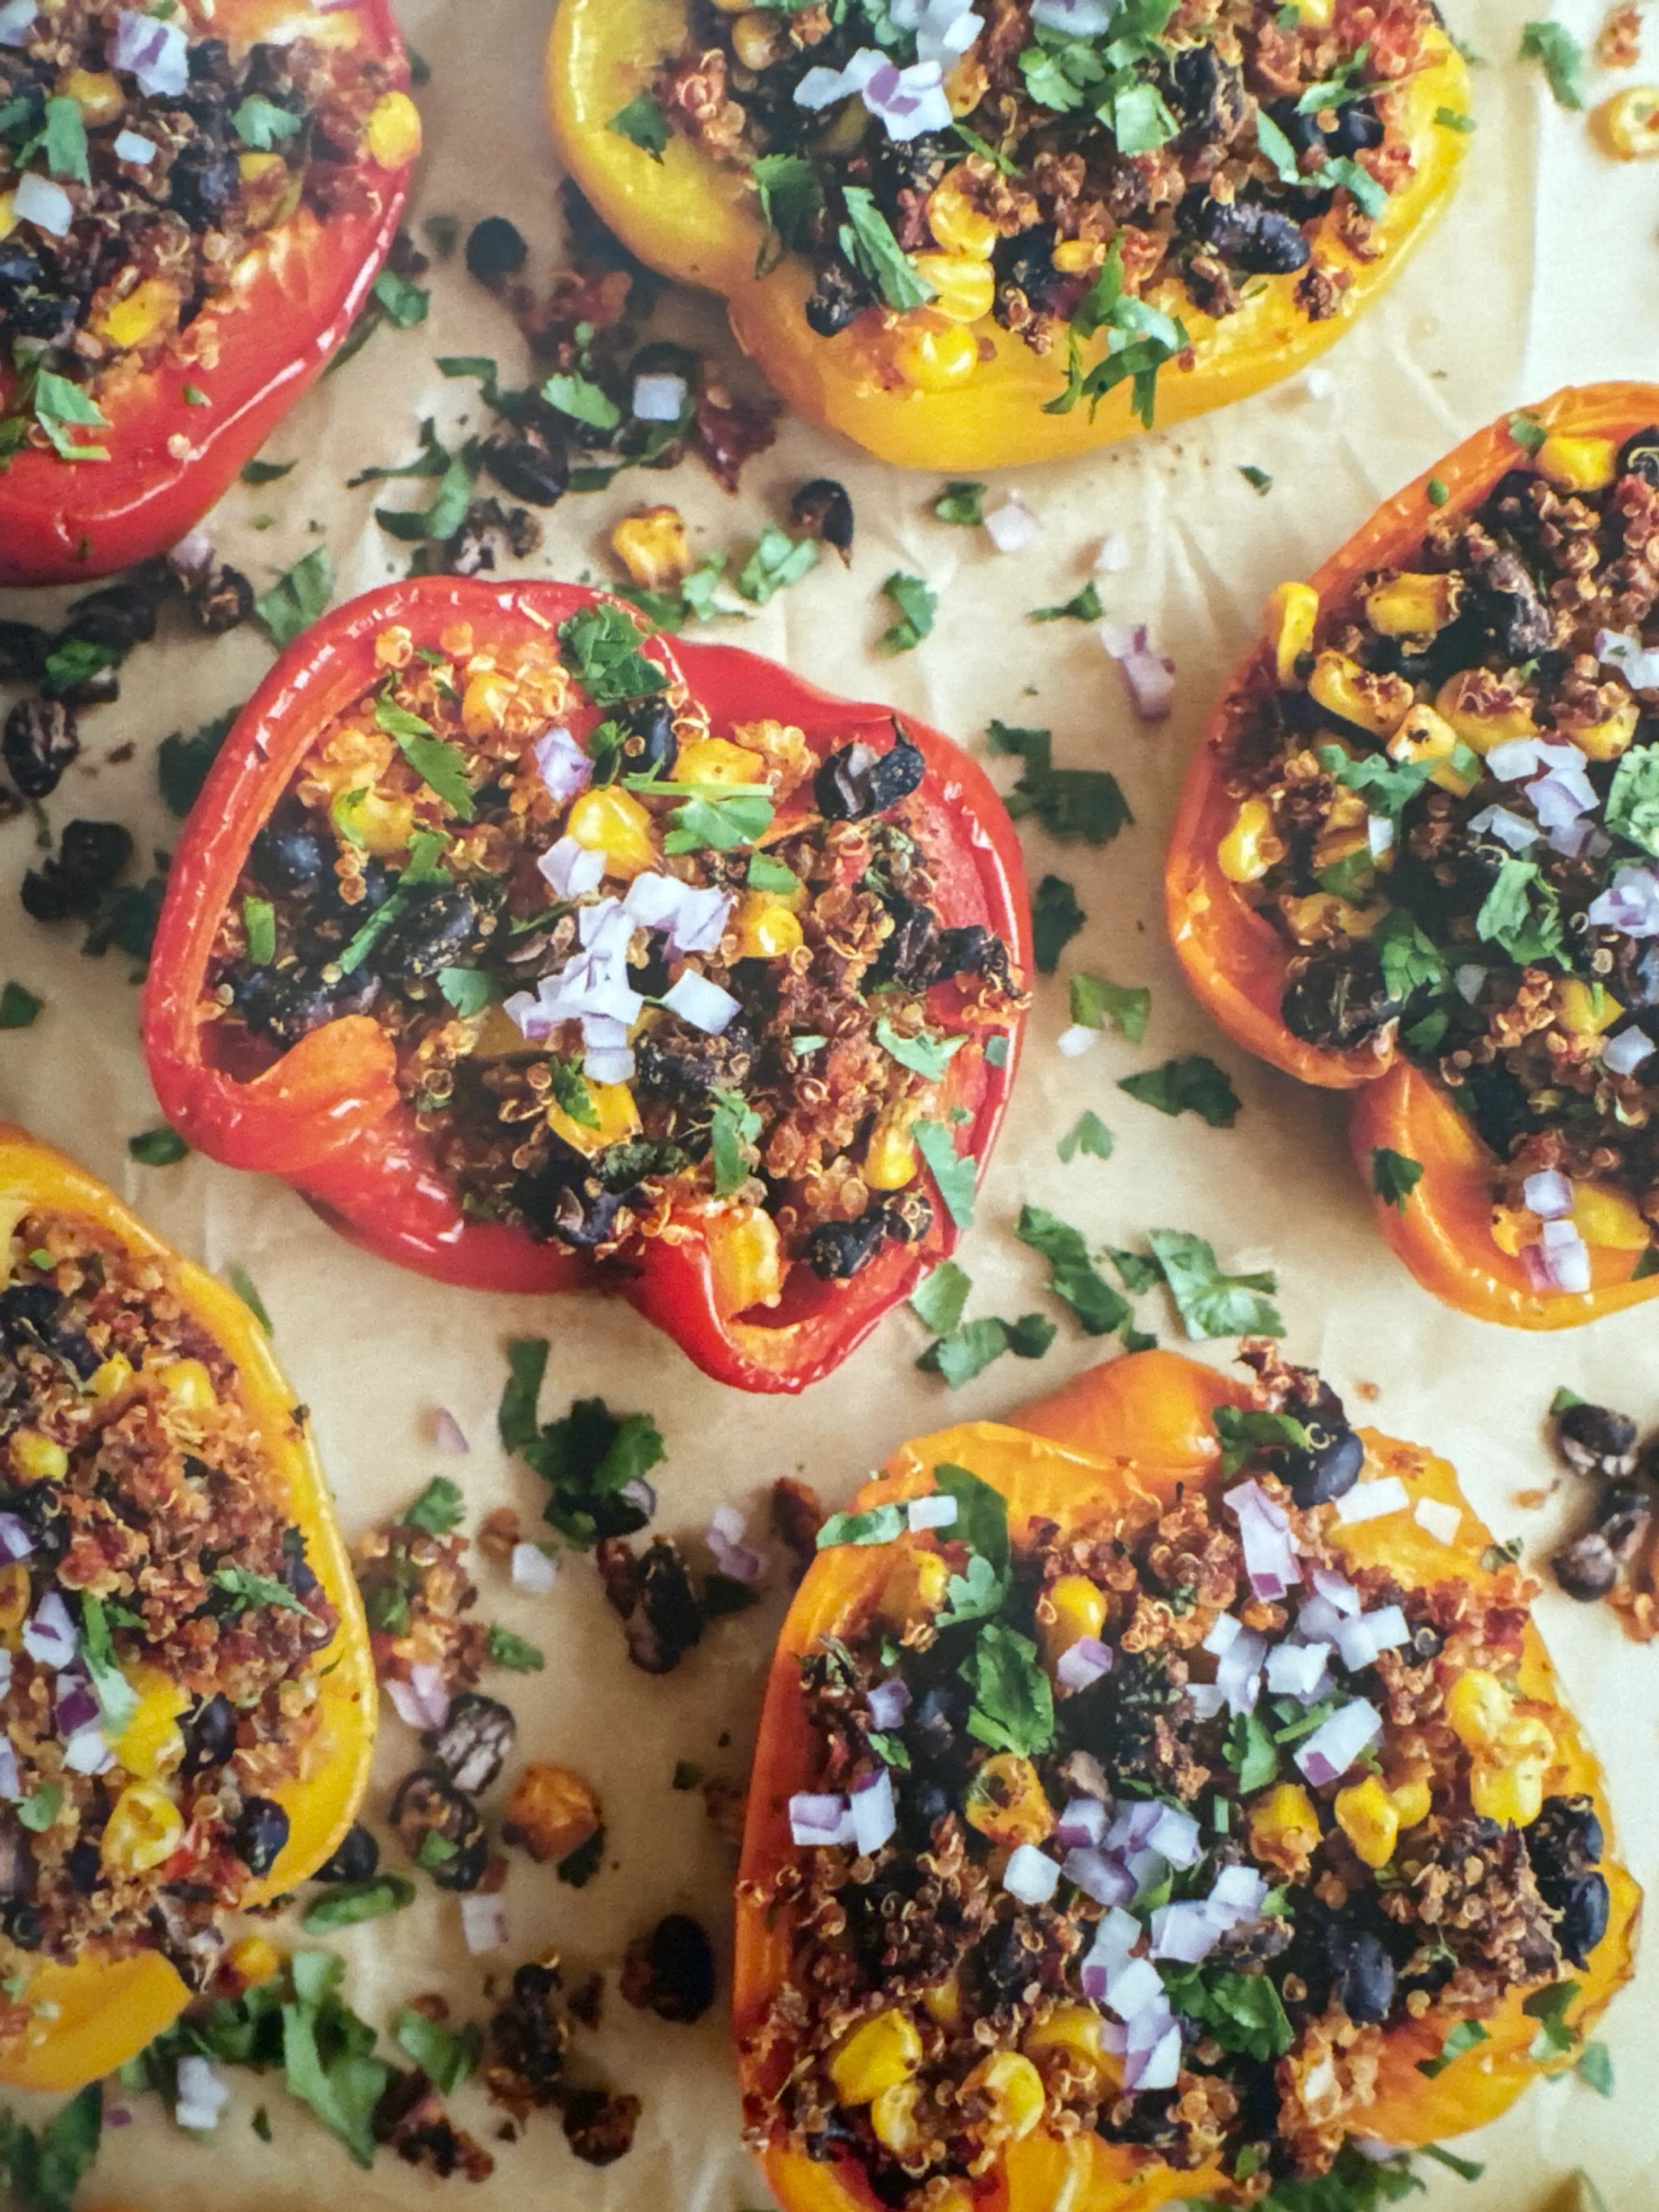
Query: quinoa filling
point(159, 1622)
point(1448, 791)
point(1155, 1830)
point(632, 969)
point(1063, 168)
point(141, 161)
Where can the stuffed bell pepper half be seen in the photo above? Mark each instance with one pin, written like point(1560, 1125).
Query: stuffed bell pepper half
point(1419, 856)
point(194, 203)
point(537, 952)
point(185, 1682)
point(972, 237)
point(1162, 1796)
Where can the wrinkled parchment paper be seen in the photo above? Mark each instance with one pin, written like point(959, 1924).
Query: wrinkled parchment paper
point(1545, 271)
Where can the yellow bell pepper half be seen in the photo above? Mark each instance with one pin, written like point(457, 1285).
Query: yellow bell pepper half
point(92, 2016)
point(699, 222)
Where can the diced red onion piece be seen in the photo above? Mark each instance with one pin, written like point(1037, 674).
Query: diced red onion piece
point(1624, 1054)
point(1469, 982)
point(1238, 1895)
point(1238, 1673)
point(1113, 557)
point(448, 1435)
point(1371, 2149)
point(819, 1817)
point(1515, 759)
point(1562, 796)
point(49, 1633)
point(1149, 1868)
point(1174, 1836)
point(192, 556)
point(1223, 1633)
point(1185, 1932)
point(1566, 1256)
point(1160, 2068)
point(1333, 1747)
point(5, 1672)
point(1101, 1877)
point(1207, 1699)
point(1030, 1875)
point(1082, 1824)
point(564, 768)
point(17, 19)
point(131, 146)
point(423, 1701)
point(694, 916)
point(484, 1923)
point(1149, 675)
point(1077, 1039)
point(1013, 527)
point(1317, 1619)
point(1370, 1501)
point(202, 2095)
point(87, 1752)
point(1133, 1824)
point(739, 1563)
point(1379, 834)
point(639, 1495)
point(1270, 1557)
point(571, 869)
point(117, 2115)
point(10, 1787)
point(1548, 1195)
point(1134, 1988)
point(935, 1511)
point(908, 102)
point(1631, 905)
point(16, 1542)
point(76, 1706)
point(1078, 19)
point(1083, 1663)
point(1441, 1519)
point(890, 1701)
point(874, 1815)
point(157, 53)
point(46, 205)
point(533, 1570)
point(1336, 1590)
point(700, 1003)
point(1361, 1640)
point(1638, 665)
point(1319, 384)
point(1298, 1671)
point(1510, 828)
point(659, 397)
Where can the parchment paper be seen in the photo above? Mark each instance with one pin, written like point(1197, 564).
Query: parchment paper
point(1544, 271)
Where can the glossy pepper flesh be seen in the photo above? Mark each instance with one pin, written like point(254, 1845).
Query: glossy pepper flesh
point(1141, 1427)
point(91, 2017)
point(698, 222)
point(1237, 962)
point(255, 349)
point(328, 1115)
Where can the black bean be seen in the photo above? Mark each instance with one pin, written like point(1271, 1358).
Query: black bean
point(528, 466)
point(1340, 998)
point(649, 746)
point(23, 1924)
point(209, 1732)
point(1496, 1101)
point(1365, 1980)
point(1593, 1440)
point(1328, 1469)
point(437, 934)
point(120, 615)
point(1207, 94)
point(838, 299)
point(1359, 126)
point(1640, 456)
point(857, 780)
point(1427, 1643)
point(681, 1065)
point(495, 250)
point(1566, 1838)
point(260, 1833)
point(472, 1745)
point(24, 649)
point(1302, 130)
point(440, 1829)
point(16, 1859)
point(839, 1250)
point(221, 598)
point(671, 1971)
point(1508, 600)
point(822, 510)
point(285, 1005)
point(201, 184)
point(40, 740)
point(84, 1861)
point(1581, 1916)
point(586, 1214)
point(1257, 239)
point(356, 1858)
point(288, 856)
point(211, 63)
point(89, 858)
point(1588, 1568)
point(599, 2126)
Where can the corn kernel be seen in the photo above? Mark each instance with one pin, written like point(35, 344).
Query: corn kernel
point(1513, 1228)
point(915, 1587)
point(614, 823)
point(717, 760)
point(746, 1256)
point(943, 2002)
point(651, 546)
point(1315, 15)
point(893, 2118)
point(393, 132)
point(1632, 123)
point(889, 1159)
point(1252, 846)
point(1377, 703)
point(377, 822)
point(964, 290)
point(268, 185)
point(1425, 736)
point(109, 1380)
point(1284, 1827)
point(935, 360)
point(485, 701)
point(1512, 1796)
point(37, 1457)
point(255, 169)
point(1073, 2031)
point(1605, 740)
point(1478, 1709)
point(1607, 1220)
point(145, 1827)
point(252, 1960)
point(1078, 1608)
point(1411, 606)
point(96, 93)
point(147, 311)
point(880, 2053)
point(1076, 257)
point(1322, 915)
point(151, 1745)
point(1006, 1801)
point(1292, 615)
point(1370, 1819)
point(7, 214)
point(1585, 1009)
point(1578, 464)
point(1014, 2089)
point(15, 1594)
point(1412, 1803)
point(958, 224)
point(188, 1384)
point(618, 1119)
point(1478, 726)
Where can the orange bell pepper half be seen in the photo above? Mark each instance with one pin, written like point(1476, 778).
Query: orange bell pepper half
point(1237, 962)
point(1138, 1431)
point(699, 221)
point(91, 2017)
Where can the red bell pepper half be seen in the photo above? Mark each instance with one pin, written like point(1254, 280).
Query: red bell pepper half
point(257, 348)
point(328, 1116)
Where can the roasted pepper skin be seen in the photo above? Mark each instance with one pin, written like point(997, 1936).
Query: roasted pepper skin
point(62, 522)
point(328, 1116)
point(105, 2011)
point(698, 222)
point(1139, 1426)
point(1235, 961)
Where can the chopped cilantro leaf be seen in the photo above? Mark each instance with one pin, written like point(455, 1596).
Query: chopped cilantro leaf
point(246, 1289)
point(604, 645)
point(439, 1509)
point(60, 407)
point(940, 1299)
point(1527, 431)
point(512, 1652)
point(1243, 1432)
point(791, 198)
point(643, 123)
point(1085, 803)
point(19, 1008)
point(963, 504)
point(926, 1055)
point(1095, 1001)
point(1013, 1707)
point(1395, 1176)
point(444, 2058)
point(866, 238)
point(1563, 59)
point(1073, 1275)
point(777, 561)
point(350, 1903)
point(954, 1173)
point(1463, 2035)
point(582, 400)
point(244, 1589)
point(878, 1524)
point(588, 1459)
point(1192, 1083)
point(297, 598)
point(917, 603)
point(1211, 1304)
point(967, 1350)
point(1258, 479)
point(735, 1126)
point(1056, 918)
point(182, 762)
point(1088, 1133)
point(1082, 606)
